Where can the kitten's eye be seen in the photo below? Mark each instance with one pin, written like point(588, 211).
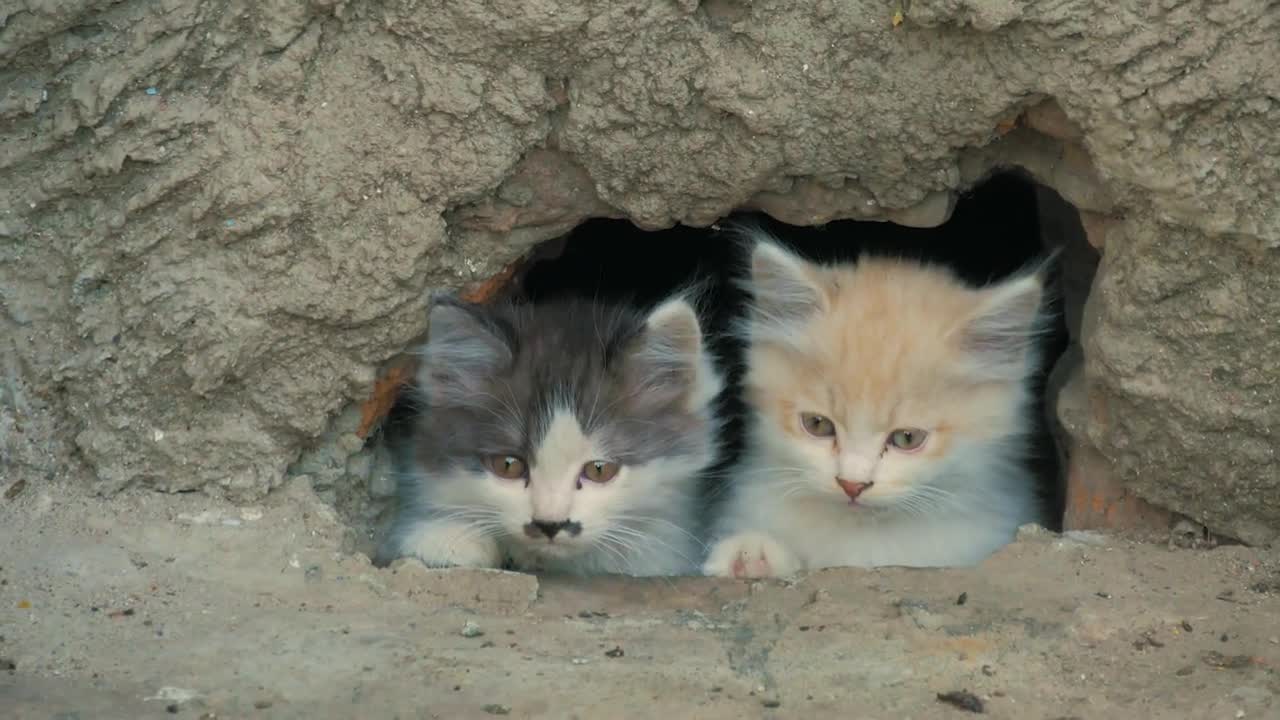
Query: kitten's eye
point(907, 439)
point(507, 467)
point(817, 425)
point(599, 471)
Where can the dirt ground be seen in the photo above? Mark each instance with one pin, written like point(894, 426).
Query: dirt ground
point(156, 605)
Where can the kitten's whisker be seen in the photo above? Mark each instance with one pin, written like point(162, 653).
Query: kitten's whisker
point(631, 550)
point(661, 543)
point(660, 521)
point(457, 518)
point(433, 514)
point(621, 549)
point(935, 498)
point(790, 491)
point(639, 536)
point(463, 508)
point(468, 534)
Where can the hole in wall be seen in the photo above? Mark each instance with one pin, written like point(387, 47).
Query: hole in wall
point(999, 227)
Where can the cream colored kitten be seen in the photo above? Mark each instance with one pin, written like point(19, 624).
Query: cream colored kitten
point(889, 417)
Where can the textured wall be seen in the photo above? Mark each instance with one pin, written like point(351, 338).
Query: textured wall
point(218, 217)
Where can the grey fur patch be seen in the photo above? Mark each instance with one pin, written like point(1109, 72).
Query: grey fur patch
point(492, 377)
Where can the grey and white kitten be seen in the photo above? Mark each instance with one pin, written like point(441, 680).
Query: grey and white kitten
point(566, 437)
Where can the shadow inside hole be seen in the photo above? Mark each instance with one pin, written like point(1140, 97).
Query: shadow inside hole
point(994, 231)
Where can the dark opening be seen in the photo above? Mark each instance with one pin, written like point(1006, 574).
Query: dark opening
point(995, 230)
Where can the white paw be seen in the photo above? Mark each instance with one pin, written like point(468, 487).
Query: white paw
point(750, 555)
point(449, 544)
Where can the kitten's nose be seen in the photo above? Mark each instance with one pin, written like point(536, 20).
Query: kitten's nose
point(548, 528)
point(551, 528)
point(853, 489)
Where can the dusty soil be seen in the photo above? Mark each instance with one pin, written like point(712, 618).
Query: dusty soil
point(151, 605)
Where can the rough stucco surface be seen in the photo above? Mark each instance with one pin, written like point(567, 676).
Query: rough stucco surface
point(217, 218)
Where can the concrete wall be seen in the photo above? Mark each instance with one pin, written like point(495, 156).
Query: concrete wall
point(218, 217)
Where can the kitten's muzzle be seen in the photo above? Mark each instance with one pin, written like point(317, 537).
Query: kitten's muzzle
point(853, 489)
point(550, 529)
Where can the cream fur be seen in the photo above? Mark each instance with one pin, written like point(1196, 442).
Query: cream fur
point(875, 347)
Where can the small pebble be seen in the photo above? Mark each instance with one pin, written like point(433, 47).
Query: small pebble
point(963, 700)
point(1213, 658)
point(496, 709)
point(15, 489)
point(471, 629)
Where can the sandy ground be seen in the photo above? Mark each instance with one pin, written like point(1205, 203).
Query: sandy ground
point(153, 605)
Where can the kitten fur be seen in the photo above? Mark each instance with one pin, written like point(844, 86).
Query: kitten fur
point(881, 345)
point(559, 384)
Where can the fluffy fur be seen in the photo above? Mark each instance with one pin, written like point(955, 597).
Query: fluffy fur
point(558, 386)
point(881, 345)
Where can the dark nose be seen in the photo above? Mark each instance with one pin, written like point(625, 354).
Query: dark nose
point(548, 528)
point(853, 489)
point(551, 528)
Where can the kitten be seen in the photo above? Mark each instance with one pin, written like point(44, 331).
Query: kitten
point(562, 437)
point(889, 417)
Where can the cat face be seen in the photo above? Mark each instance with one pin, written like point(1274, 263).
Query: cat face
point(565, 428)
point(871, 383)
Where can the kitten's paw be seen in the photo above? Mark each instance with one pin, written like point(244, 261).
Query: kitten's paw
point(445, 544)
point(750, 555)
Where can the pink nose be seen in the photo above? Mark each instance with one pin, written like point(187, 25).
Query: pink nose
point(853, 489)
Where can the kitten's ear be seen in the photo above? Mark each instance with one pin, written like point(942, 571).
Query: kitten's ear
point(1000, 335)
point(785, 290)
point(668, 362)
point(463, 351)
